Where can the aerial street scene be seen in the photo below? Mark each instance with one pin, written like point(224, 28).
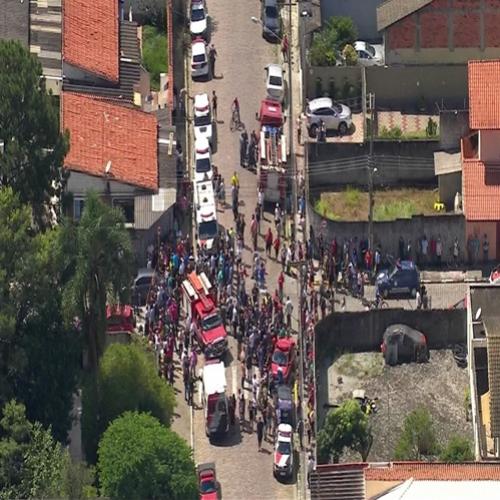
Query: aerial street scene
point(250, 251)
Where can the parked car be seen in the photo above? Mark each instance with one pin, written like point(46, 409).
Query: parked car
point(335, 116)
point(285, 407)
point(283, 452)
point(275, 85)
point(198, 22)
point(271, 24)
point(403, 344)
point(141, 286)
point(209, 487)
point(202, 160)
point(402, 279)
point(202, 117)
point(283, 359)
point(199, 58)
point(369, 55)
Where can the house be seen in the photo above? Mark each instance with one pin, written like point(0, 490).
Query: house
point(483, 337)
point(37, 25)
point(408, 480)
point(362, 12)
point(439, 31)
point(481, 159)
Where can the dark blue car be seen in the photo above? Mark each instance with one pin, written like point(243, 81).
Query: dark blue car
point(402, 279)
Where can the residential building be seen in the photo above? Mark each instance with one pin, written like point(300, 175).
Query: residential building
point(481, 159)
point(439, 31)
point(362, 12)
point(408, 480)
point(483, 336)
point(37, 25)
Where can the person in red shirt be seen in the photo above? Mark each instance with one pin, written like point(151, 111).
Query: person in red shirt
point(281, 281)
point(276, 245)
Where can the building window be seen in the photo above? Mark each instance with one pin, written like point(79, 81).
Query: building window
point(78, 206)
point(127, 207)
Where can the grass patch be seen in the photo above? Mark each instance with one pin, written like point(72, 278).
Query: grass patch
point(394, 210)
point(360, 365)
point(154, 53)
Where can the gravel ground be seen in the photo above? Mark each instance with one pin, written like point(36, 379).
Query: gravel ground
point(439, 385)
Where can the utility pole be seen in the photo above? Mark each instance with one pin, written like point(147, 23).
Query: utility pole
point(371, 168)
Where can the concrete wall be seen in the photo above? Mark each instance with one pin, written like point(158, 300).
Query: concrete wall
point(444, 32)
point(362, 12)
point(334, 173)
point(449, 186)
point(453, 125)
point(386, 234)
point(403, 88)
point(363, 331)
point(478, 229)
point(79, 184)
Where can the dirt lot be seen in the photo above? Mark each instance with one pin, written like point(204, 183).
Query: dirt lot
point(352, 204)
point(440, 385)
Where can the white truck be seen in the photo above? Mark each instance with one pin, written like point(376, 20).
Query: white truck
point(215, 402)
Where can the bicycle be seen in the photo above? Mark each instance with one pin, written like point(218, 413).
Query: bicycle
point(375, 304)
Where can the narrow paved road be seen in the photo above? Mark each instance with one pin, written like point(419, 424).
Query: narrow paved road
point(242, 56)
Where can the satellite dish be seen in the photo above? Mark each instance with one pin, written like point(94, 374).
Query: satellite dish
point(478, 314)
point(107, 168)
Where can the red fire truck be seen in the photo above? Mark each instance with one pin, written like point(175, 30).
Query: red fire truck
point(199, 302)
point(272, 152)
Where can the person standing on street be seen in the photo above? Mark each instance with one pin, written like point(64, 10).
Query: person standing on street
point(300, 431)
point(212, 56)
point(288, 312)
point(260, 432)
point(284, 48)
point(214, 105)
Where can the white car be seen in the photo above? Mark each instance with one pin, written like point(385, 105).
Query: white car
point(206, 214)
point(198, 22)
point(283, 452)
point(335, 116)
point(202, 117)
point(369, 55)
point(275, 85)
point(199, 58)
point(202, 161)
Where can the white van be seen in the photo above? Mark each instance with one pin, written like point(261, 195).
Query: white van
point(214, 398)
point(206, 214)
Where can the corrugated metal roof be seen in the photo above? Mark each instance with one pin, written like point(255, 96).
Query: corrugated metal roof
point(393, 10)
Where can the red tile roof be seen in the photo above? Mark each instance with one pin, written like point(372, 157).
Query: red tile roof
point(433, 471)
point(480, 191)
point(101, 130)
point(484, 94)
point(91, 36)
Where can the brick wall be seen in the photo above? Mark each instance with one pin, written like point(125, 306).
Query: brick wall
point(464, 17)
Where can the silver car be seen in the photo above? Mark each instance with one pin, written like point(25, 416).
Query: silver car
point(335, 116)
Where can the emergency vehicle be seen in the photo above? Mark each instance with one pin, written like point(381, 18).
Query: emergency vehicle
point(199, 301)
point(214, 399)
point(206, 214)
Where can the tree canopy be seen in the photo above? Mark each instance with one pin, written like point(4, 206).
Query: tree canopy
point(417, 439)
point(328, 44)
point(458, 449)
point(127, 380)
point(345, 427)
point(139, 458)
point(33, 147)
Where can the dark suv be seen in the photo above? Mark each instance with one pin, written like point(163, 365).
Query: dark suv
point(402, 279)
point(271, 24)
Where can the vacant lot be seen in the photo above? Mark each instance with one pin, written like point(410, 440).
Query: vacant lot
point(439, 385)
point(352, 204)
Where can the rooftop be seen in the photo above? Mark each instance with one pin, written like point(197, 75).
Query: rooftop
point(91, 36)
point(392, 11)
point(480, 191)
point(102, 130)
point(484, 94)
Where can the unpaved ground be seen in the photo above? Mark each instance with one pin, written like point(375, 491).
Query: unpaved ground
point(439, 385)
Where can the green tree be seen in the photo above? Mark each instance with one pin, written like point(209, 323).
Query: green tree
point(350, 55)
point(102, 271)
point(31, 462)
point(139, 458)
point(345, 427)
point(40, 357)
point(34, 148)
point(127, 380)
point(327, 45)
point(458, 449)
point(151, 12)
point(418, 438)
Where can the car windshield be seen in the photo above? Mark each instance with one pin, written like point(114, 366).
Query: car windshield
point(275, 80)
point(271, 12)
point(208, 486)
point(199, 58)
point(337, 108)
point(211, 322)
point(203, 165)
point(207, 230)
point(370, 50)
point(280, 358)
point(202, 121)
point(284, 448)
point(197, 15)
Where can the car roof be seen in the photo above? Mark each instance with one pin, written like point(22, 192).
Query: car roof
point(284, 392)
point(201, 100)
point(285, 344)
point(408, 265)
point(321, 102)
point(359, 45)
point(274, 70)
point(198, 47)
point(201, 143)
